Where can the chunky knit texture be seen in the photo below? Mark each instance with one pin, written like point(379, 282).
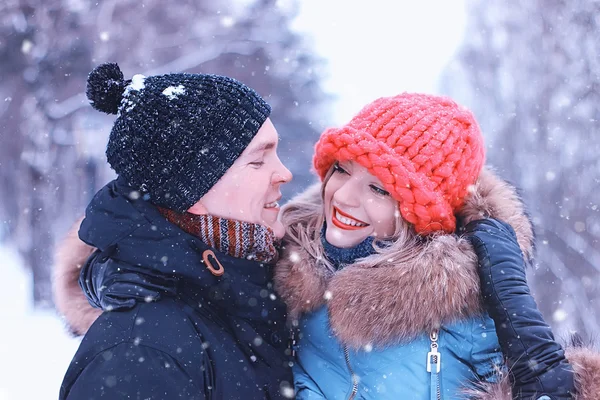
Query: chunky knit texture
point(237, 238)
point(426, 150)
point(176, 134)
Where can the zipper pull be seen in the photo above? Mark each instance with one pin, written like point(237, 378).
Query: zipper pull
point(434, 357)
point(292, 342)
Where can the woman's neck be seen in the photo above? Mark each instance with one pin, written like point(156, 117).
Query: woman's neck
point(341, 257)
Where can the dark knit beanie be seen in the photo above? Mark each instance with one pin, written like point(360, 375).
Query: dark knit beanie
point(176, 134)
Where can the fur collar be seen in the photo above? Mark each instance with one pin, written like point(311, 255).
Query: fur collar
point(69, 299)
point(394, 302)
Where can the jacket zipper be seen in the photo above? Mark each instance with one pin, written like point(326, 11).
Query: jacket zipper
point(354, 380)
point(292, 344)
point(434, 363)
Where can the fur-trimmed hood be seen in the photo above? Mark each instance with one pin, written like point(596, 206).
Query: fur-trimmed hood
point(69, 299)
point(395, 302)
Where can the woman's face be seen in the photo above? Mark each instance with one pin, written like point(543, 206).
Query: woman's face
point(357, 206)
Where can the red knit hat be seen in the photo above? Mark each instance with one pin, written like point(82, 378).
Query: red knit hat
point(426, 150)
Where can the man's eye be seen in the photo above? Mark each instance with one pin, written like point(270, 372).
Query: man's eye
point(257, 164)
point(380, 191)
point(337, 168)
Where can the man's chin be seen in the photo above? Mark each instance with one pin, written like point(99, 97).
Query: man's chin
point(278, 229)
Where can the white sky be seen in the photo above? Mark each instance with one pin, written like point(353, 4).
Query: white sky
point(381, 47)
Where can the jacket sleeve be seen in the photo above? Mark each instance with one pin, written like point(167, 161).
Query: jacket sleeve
point(305, 387)
point(536, 362)
point(130, 371)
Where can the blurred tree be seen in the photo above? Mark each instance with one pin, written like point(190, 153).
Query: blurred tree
point(52, 154)
point(530, 70)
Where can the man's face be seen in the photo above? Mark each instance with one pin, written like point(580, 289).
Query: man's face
point(249, 190)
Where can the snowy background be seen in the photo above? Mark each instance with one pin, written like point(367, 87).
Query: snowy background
point(530, 73)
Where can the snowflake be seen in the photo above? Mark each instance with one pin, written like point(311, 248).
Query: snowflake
point(172, 92)
point(287, 391)
point(559, 315)
point(137, 83)
point(26, 46)
point(579, 226)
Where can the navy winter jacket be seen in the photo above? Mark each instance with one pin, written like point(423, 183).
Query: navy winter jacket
point(171, 329)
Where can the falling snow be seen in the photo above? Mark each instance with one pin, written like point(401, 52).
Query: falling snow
point(173, 91)
point(294, 256)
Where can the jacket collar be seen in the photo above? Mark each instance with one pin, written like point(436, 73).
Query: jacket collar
point(394, 302)
point(142, 257)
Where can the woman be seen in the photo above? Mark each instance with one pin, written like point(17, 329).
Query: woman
point(384, 293)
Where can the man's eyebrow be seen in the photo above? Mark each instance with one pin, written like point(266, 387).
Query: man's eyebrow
point(262, 147)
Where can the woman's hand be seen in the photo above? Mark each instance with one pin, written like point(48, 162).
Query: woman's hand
point(536, 361)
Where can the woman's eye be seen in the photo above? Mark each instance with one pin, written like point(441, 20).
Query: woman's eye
point(337, 168)
point(380, 191)
point(257, 164)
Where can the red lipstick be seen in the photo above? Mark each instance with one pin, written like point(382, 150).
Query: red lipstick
point(344, 226)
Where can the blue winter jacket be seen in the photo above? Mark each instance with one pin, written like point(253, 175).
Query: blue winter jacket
point(365, 332)
point(326, 369)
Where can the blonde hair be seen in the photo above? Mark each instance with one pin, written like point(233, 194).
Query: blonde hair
point(303, 219)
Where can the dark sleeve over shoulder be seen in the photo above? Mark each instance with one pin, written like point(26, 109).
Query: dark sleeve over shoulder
point(130, 371)
point(536, 361)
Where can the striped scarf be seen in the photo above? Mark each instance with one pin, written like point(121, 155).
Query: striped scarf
point(237, 238)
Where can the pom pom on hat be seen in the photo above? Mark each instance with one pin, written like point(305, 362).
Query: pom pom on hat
point(426, 150)
point(105, 87)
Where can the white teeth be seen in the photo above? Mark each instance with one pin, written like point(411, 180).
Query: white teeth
point(347, 221)
point(272, 205)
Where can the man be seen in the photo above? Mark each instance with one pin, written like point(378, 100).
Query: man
point(182, 244)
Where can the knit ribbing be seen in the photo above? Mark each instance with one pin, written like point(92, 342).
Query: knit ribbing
point(340, 257)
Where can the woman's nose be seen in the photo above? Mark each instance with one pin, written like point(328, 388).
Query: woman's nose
point(347, 194)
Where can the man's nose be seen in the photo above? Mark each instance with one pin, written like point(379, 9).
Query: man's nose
point(282, 175)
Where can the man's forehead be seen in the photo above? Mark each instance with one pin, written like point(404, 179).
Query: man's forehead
point(262, 146)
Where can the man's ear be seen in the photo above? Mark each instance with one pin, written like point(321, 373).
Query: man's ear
point(198, 209)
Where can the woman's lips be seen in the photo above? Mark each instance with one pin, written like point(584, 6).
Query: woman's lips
point(346, 221)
